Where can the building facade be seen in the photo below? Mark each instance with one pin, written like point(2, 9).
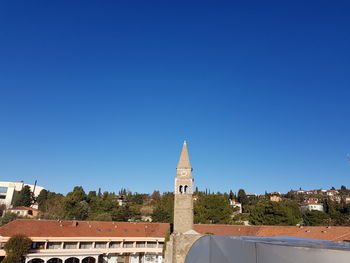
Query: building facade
point(312, 206)
point(89, 241)
point(24, 211)
point(8, 191)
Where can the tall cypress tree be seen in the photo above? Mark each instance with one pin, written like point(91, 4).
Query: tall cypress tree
point(24, 197)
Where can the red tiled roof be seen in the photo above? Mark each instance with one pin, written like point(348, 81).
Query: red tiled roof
point(334, 233)
point(53, 228)
point(227, 230)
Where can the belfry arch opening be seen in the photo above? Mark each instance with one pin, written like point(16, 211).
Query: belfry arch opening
point(185, 189)
point(181, 189)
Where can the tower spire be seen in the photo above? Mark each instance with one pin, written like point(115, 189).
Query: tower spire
point(183, 202)
point(184, 161)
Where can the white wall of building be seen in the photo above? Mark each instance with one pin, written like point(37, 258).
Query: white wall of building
point(7, 191)
point(318, 207)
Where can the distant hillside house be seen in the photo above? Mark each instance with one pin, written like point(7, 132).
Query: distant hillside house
point(237, 205)
point(347, 200)
point(311, 200)
point(24, 211)
point(332, 192)
point(312, 206)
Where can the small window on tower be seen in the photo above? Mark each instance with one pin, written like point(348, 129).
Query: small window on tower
point(180, 189)
point(185, 189)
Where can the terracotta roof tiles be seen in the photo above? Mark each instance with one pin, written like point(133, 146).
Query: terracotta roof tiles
point(52, 228)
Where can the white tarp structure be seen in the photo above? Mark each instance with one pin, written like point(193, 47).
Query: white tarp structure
point(226, 249)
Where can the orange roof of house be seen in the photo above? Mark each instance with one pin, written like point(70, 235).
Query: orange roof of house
point(52, 228)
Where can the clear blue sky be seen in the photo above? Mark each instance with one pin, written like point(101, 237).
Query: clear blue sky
point(103, 93)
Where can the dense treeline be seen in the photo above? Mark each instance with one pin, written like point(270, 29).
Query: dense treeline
point(209, 208)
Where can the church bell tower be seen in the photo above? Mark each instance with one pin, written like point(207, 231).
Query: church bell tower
point(183, 206)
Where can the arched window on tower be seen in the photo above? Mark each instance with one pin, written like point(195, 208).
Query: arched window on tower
point(185, 189)
point(180, 189)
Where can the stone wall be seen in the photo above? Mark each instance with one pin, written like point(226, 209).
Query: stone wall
point(178, 247)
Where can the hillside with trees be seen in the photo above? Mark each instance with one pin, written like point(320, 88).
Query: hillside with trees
point(209, 207)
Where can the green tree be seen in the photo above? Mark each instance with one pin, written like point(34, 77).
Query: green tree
point(16, 248)
point(75, 205)
point(122, 214)
point(137, 199)
point(164, 208)
point(12, 259)
point(42, 199)
point(242, 198)
point(91, 195)
point(329, 206)
point(275, 213)
point(7, 218)
point(103, 217)
point(232, 195)
point(98, 206)
point(212, 209)
point(53, 207)
point(343, 190)
point(315, 218)
point(24, 197)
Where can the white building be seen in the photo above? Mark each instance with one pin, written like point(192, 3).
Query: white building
point(235, 204)
point(8, 190)
point(332, 192)
point(312, 206)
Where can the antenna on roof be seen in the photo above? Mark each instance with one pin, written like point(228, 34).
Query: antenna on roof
point(34, 186)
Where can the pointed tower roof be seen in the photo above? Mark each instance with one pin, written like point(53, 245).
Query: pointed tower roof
point(184, 161)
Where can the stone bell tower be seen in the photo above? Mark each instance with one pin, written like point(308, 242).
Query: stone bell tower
point(183, 207)
point(183, 236)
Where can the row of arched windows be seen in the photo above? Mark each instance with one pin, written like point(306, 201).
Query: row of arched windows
point(68, 260)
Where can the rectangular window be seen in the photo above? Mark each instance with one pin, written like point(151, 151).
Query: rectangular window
point(38, 245)
point(85, 245)
point(151, 244)
point(3, 197)
point(160, 245)
point(3, 190)
point(100, 245)
point(140, 244)
point(114, 244)
point(70, 245)
point(150, 258)
point(54, 245)
point(128, 244)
